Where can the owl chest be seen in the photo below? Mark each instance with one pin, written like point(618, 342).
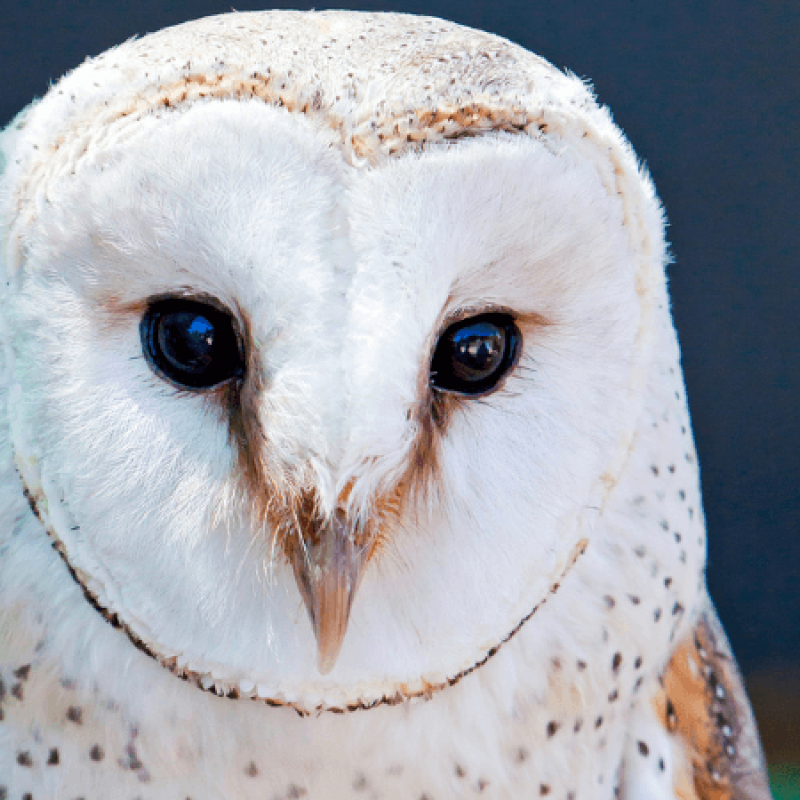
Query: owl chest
point(62, 741)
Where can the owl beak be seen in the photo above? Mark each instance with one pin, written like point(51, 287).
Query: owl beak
point(328, 566)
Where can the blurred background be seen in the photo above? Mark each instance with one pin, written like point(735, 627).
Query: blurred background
point(709, 95)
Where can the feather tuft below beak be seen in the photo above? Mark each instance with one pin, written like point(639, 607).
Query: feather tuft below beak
point(328, 565)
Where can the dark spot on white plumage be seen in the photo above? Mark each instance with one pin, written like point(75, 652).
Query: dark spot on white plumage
point(22, 672)
point(97, 753)
point(657, 615)
point(53, 757)
point(609, 601)
point(522, 755)
point(16, 691)
point(552, 728)
point(638, 662)
point(616, 662)
point(24, 758)
point(482, 784)
point(661, 765)
point(294, 792)
point(75, 714)
point(581, 665)
point(251, 770)
point(643, 748)
point(613, 695)
point(360, 782)
point(544, 789)
point(27, 796)
point(678, 537)
point(460, 771)
point(677, 609)
point(635, 599)
point(132, 761)
point(667, 582)
point(578, 725)
point(598, 722)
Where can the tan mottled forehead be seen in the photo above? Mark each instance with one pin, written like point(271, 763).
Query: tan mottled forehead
point(388, 73)
point(381, 83)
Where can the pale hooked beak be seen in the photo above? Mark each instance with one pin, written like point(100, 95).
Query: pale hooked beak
point(328, 566)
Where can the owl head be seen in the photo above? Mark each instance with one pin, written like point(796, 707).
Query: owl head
point(327, 339)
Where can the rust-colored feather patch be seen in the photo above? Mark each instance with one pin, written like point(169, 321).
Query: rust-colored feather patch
point(703, 704)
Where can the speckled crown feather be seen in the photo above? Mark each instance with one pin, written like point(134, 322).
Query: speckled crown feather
point(458, 82)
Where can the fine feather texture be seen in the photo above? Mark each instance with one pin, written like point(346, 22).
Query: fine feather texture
point(535, 554)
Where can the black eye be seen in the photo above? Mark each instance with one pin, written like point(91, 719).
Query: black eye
point(190, 343)
point(472, 355)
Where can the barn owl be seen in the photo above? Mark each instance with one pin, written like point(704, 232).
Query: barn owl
point(345, 449)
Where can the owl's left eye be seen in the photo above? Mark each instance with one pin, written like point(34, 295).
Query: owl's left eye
point(191, 343)
point(473, 355)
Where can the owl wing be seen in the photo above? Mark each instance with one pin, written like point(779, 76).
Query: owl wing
point(702, 703)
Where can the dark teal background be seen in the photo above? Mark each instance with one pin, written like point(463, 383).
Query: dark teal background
point(708, 94)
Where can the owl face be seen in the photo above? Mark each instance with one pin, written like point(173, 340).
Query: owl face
point(316, 431)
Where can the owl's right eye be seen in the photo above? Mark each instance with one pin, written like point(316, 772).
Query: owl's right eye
point(190, 343)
